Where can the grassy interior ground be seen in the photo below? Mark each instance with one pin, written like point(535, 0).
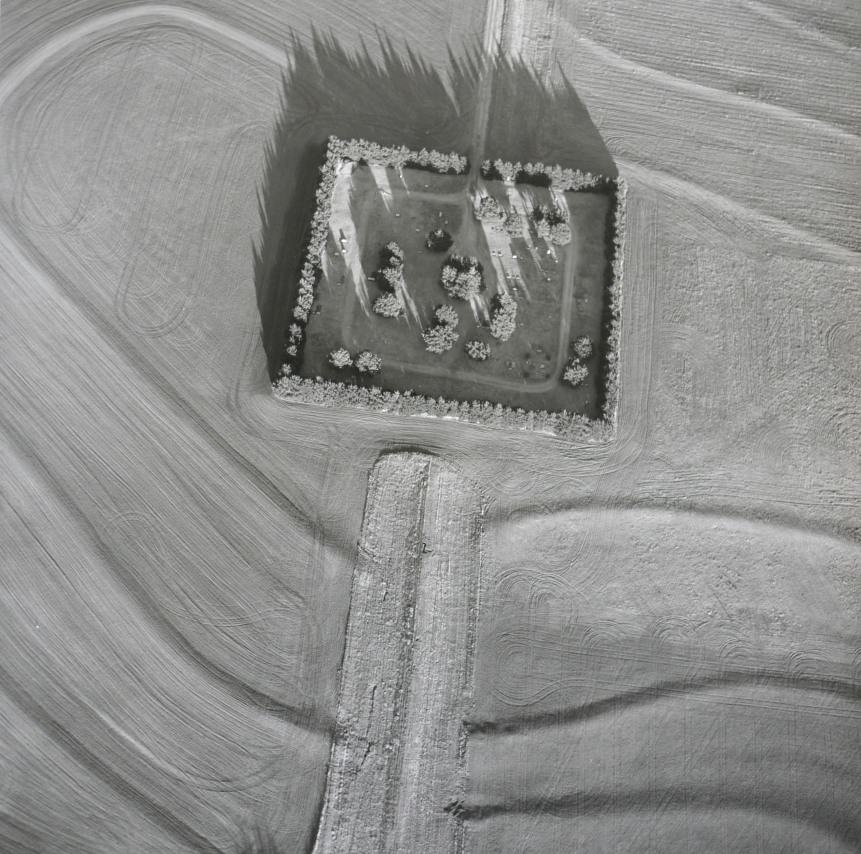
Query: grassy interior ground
point(559, 290)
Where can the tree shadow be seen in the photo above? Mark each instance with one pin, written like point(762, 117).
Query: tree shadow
point(398, 99)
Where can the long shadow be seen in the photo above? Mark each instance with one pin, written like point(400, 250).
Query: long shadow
point(670, 689)
point(398, 99)
point(778, 800)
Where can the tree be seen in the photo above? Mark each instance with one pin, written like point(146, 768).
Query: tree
point(560, 233)
point(503, 318)
point(392, 255)
point(462, 276)
point(583, 347)
point(440, 338)
point(391, 278)
point(575, 373)
point(387, 305)
point(477, 350)
point(368, 363)
point(439, 240)
point(445, 315)
point(340, 358)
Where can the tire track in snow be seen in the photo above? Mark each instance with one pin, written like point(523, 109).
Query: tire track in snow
point(710, 93)
point(82, 755)
point(45, 270)
point(241, 691)
point(734, 218)
point(122, 18)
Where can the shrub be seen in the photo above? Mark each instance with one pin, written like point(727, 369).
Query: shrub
point(340, 358)
point(392, 255)
point(477, 350)
point(503, 319)
point(575, 372)
point(560, 233)
point(583, 347)
point(439, 240)
point(387, 305)
point(368, 363)
point(488, 209)
point(461, 276)
point(551, 223)
point(440, 338)
point(445, 315)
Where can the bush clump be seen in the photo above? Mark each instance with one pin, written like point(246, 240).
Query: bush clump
point(391, 272)
point(487, 209)
point(462, 276)
point(503, 320)
point(387, 305)
point(368, 362)
point(575, 373)
point(551, 223)
point(340, 358)
point(511, 224)
point(440, 338)
point(445, 315)
point(583, 347)
point(477, 350)
point(439, 240)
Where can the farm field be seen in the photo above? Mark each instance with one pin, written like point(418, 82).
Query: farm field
point(667, 646)
point(559, 290)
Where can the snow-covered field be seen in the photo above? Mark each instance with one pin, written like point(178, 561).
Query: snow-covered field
point(668, 649)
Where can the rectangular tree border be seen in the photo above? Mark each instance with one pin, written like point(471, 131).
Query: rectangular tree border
point(564, 424)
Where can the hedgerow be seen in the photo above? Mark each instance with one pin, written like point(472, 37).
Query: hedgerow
point(548, 176)
point(397, 157)
point(564, 424)
point(613, 306)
